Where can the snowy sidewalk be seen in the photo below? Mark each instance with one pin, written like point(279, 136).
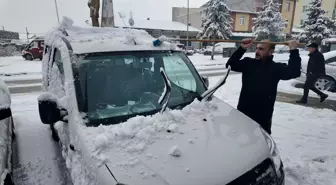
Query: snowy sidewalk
point(313, 102)
point(37, 159)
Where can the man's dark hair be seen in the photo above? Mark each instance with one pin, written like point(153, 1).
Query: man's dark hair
point(272, 46)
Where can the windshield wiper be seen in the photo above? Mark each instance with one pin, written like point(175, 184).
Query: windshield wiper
point(166, 92)
point(207, 94)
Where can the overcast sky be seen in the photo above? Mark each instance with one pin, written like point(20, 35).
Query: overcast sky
point(40, 15)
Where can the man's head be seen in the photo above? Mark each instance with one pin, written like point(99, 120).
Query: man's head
point(312, 47)
point(264, 50)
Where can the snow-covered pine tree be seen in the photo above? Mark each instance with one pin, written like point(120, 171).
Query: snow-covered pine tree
point(216, 22)
point(317, 26)
point(269, 24)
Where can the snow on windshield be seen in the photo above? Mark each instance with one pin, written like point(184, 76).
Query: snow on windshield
point(136, 134)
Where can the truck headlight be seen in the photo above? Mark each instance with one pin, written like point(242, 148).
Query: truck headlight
point(274, 152)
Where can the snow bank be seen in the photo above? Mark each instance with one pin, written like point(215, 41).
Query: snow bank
point(17, 66)
point(5, 98)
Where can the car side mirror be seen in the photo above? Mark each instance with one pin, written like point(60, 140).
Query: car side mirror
point(206, 80)
point(5, 113)
point(49, 110)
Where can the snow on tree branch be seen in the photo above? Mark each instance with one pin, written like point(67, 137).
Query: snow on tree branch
point(216, 22)
point(269, 23)
point(317, 26)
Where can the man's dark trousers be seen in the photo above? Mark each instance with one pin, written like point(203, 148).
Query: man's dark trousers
point(310, 85)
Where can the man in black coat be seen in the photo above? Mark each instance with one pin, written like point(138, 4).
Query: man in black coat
point(315, 68)
point(260, 77)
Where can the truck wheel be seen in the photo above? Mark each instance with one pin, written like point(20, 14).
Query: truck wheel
point(29, 57)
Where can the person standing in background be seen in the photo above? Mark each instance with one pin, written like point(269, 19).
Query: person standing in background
point(315, 68)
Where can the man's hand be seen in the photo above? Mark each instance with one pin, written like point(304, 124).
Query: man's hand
point(246, 43)
point(293, 44)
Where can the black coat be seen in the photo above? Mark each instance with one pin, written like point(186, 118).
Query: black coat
point(316, 64)
point(260, 81)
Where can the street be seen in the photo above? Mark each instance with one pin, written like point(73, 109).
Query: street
point(37, 159)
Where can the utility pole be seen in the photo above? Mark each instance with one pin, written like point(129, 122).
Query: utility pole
point(107, 17)
point(188, 22)
point(57, 12)
point(27, 33)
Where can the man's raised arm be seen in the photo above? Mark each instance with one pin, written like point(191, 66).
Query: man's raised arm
point(237, 64)
point(293, 69)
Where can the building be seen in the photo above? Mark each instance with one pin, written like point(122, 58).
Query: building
point(156, 28)
point(301, 14)
point(242, 13)
point(288, 12)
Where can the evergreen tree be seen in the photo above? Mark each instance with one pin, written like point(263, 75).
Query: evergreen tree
point(269, 24)
point(216, 22)
point(317, 26)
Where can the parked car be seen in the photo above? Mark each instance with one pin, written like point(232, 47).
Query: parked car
point(221, 48)
point(34, 49)
point(146, 98)
point(6, 135)
point(326, 82)
point(281, 48)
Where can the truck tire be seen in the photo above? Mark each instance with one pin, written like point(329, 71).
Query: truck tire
point(29, 57)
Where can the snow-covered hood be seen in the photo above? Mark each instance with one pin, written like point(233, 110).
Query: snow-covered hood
point(205, 143)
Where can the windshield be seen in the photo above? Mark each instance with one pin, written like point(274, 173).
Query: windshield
point(124, 84)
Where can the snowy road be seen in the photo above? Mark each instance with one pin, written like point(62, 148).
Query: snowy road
point(37, 158)
point(305, 138)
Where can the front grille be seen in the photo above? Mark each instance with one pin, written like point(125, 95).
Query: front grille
point(263, 174)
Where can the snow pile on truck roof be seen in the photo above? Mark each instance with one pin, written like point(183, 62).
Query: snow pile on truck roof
point(98, 39)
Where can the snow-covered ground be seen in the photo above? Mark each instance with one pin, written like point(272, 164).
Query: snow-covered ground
point(39, 162)
point(16, 68)
point(305, 138)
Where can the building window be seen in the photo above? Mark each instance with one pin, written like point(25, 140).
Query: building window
point(242, 20)
point(288, 5)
